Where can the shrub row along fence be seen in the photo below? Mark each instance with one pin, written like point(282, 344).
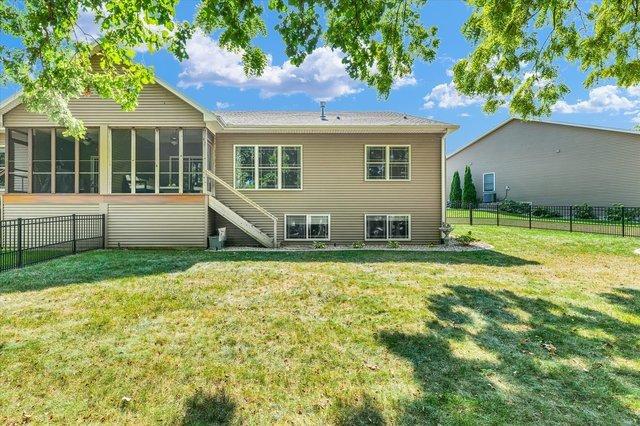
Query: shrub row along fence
point(28, 241)
point(613, 220)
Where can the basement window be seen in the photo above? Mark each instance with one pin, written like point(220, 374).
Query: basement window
point(384, 227)
point(313, 227)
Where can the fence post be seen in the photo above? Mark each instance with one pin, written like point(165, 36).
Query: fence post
point(530, 211)
point(498, 214)
point(74, 247)
point(470, 214)
point(570, 218)
point(19, 252)
point(623, 221)
point(104, 229)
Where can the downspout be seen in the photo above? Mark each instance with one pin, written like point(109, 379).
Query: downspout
point(443, 181)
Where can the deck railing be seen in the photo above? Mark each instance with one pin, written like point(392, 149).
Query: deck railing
point(28, 241)
point(614, 220)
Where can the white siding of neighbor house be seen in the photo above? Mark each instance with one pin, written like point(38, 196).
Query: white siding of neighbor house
point(555, 164)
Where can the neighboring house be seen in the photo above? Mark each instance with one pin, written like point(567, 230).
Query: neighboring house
point(552, 164)
point(171, 172)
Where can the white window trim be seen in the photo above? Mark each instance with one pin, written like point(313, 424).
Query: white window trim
point(387, 216)
point(307, 222)
point(255, 167)
point(387, 163)
point(494, 182)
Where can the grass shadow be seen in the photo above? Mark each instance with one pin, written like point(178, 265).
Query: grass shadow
point(104, 265)
point(496, 357)
point(209, 409)
point(365, 413)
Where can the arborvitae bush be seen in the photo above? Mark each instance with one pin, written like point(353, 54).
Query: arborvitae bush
point(455, 196)
point(469, 195)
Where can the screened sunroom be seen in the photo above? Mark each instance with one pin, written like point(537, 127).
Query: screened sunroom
point(139, 161)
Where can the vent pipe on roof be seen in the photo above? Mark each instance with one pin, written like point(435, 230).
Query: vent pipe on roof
point(323, 105)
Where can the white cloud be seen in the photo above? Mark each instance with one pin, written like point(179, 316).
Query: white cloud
point(222, 105)
point(465, 114)
point(322, 75)
point(447, 96)
point(87, 29)
point(407, 80)
point(449, 72)
point(608, 98)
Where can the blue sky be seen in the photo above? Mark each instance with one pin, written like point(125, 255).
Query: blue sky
point(213, 78)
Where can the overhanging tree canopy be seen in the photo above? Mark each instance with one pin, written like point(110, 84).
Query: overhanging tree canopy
point(517, 45)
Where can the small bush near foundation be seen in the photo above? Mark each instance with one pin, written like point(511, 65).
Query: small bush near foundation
point(393, 244)
point(466, 239)
point(319, 245)
point(584, 211)
point(357, 244)
point(544, 212)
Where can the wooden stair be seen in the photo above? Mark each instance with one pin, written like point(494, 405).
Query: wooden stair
point(240, 222)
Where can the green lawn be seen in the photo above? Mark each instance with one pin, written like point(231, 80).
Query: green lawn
point(544, 329)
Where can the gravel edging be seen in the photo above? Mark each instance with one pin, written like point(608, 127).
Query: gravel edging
point(476, 246)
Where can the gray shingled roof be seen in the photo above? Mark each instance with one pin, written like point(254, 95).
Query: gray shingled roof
point(312, 118)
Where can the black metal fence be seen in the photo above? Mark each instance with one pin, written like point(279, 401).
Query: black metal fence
point(613, 220)
point(28, 241)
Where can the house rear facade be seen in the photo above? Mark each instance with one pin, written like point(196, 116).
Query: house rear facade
point(550, 163)
point(170, 173)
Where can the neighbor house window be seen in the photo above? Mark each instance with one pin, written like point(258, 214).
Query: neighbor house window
point(387, 227)
point(387, 162)
point(268, 167)
point(307, 227)
point(489, 182)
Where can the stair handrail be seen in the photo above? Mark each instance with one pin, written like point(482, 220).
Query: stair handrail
point(246, 199)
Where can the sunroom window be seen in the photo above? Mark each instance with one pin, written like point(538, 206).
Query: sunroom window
point(387, 162)
point(268, 167)
point(387, 227)
point(158, 167)
point(307, 227)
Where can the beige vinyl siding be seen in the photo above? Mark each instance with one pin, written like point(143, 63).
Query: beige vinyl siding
point(156, 225)
point(132, 221)
point(156, 107)
point(334, 183)
point(555, 164)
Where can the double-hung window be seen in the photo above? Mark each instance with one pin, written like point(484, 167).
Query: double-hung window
point(268, 167)
point(387, 162)
point(386, 227)
point(489, 182)
point(307, 227)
